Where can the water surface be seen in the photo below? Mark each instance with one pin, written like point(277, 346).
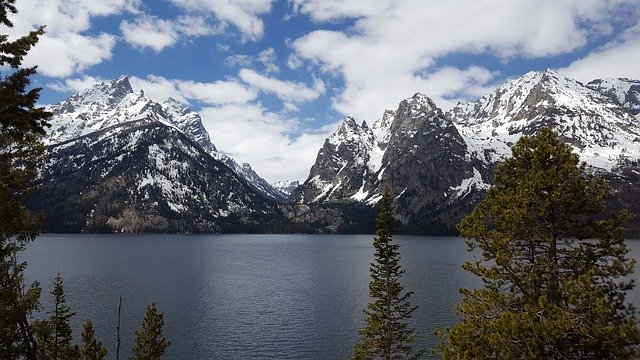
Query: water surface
point(246, 296)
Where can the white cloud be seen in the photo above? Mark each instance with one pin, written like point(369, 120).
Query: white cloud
point(268, 59)
point(65, 41)
point(286, 91)
point(149, 31)
point(619, 58)
point(156, 33)
point(243, 14)
point(329, 10)
point(394, 50)
point(218, 92)
point(75, 85)
point(250, 133)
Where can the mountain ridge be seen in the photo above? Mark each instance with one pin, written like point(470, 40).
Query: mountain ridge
point(452, 155)
point(437, 164)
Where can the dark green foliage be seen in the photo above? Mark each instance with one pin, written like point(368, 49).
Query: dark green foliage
point(91, 348)
point(548, 293)
point(387, 334)
point(150, 343)
point(43, 334)
point(62, 347)
point(53, 335)
point(21, 126)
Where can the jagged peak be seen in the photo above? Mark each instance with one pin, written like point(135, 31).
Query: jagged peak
point(175, 102)
point(114, 90)
point(349, 129)
point(120, 84)
point(176, 106)
point(349, 124)
point(418, 102)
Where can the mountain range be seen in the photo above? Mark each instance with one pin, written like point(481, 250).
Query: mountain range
point(120, 162)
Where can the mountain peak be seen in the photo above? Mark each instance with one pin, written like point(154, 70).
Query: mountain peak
point(348, 130)
point(110, 92)
point(417, 104)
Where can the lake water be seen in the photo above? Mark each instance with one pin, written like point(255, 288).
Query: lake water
point(246, 296)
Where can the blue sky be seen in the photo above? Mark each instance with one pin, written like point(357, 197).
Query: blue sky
point(272, 79)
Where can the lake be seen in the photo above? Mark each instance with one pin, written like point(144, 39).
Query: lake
point(246, 296)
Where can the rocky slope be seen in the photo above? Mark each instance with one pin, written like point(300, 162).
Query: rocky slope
point(114, 102)
point(286, 187)
point(438, 165)
point(120, 162)
point(415, 150)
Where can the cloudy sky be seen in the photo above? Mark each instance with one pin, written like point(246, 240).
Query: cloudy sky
point(273, 78)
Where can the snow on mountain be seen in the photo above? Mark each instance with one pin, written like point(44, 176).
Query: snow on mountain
point(602, 132)
point(415, 150)
point(104, 105)
point(625, 92)
point(344, 154)
point(188, 121)
point(113, 103)
point(254, 180)
point(286, 186)
point(143, 177)
point(437, 165)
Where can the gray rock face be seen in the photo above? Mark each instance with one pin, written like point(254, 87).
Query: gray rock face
point(113, 103)
point(415, 150)
point(624, 92)
point(119, 161)
point(340, 165)
point(426, 163)
point(143, 177)
point(439, 165)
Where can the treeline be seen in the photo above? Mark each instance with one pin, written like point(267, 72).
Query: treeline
point(54, 339)
point(22, 125)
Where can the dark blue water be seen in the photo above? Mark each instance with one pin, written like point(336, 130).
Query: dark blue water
point(246, 296)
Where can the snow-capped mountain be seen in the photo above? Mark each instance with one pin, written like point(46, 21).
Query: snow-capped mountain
point(437, 165)
point(286, 186)
point(623, 91)
point(599, 129)
point(114, 102)
point(415, 150)
point(118, 161)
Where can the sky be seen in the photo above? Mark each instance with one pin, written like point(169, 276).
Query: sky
point(272, 79)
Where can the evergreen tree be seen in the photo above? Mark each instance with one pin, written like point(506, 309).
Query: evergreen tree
point(150, 343)
point(549, 293)
point(91, 348)
point(62, 347)
point(43, 334)
point(387, 334)
point(22, 124)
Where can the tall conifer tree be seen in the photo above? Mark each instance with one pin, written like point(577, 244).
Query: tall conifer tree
point(549, 292)
point(62, 347)
point(150, 343)
point(387, 334)
point(91, 348)
point(22, 124)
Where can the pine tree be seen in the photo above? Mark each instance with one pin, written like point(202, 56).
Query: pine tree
point(150, 343)
point(62, 347)
point(43, 334)
point(387, 334)
point(549, 293)
point(22, 124)
point(91, 348)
